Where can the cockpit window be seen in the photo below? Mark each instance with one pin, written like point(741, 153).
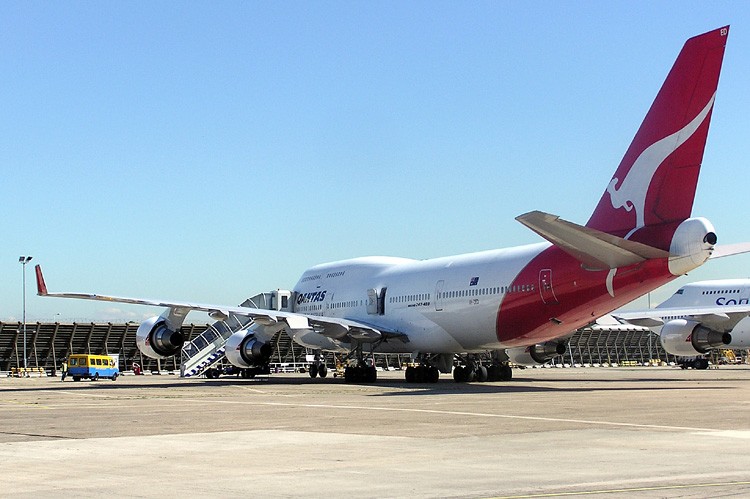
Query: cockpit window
point(680, 291)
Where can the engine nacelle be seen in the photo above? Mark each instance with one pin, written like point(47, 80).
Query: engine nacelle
point(156, 340)
point(688, 338)
point(244, 350)
point(741, 335)
point(692, 244)
point(535, 354)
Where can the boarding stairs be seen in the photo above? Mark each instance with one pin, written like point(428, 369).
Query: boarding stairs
point(207, 349)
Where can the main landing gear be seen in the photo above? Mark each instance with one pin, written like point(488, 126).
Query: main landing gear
point(471, 369)
point(427, 367)
point(695, 363)
point(360, 373)
point(361, 370)
point(318, 367)
point(423, 373)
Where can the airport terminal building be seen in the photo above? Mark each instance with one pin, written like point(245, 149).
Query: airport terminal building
point(49, 344)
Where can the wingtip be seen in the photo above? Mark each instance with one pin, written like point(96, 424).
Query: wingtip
point(41, 287)
point(536, 215)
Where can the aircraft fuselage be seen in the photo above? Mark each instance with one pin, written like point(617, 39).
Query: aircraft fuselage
point(471, 302)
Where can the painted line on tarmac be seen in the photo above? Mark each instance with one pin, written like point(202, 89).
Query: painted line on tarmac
point(698, 431)
point(84, 394)
point(626, 490)
point(254, 390)
point(726, 433)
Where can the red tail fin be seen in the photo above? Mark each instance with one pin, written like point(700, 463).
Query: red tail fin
point(41, 287)
point(656, 179)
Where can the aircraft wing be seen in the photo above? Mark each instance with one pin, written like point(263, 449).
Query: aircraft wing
point(595, 249)
point(332, 327)
point(719, 318)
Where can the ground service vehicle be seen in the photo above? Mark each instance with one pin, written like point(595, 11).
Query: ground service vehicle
point(93, 366)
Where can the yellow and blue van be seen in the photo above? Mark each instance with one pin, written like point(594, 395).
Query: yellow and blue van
point(93, 366)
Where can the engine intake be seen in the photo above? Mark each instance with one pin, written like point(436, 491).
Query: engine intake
point(156, 340)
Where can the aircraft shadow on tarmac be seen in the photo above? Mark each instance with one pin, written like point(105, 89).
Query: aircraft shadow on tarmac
point(521, 385)
point(391, 387)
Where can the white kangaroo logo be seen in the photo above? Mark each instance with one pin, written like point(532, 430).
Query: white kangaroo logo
point(632, 192)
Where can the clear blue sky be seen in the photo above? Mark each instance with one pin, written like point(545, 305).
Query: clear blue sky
point(207, 151)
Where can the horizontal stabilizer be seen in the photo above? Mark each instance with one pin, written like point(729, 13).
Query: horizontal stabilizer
point(595, 249)
point(730, 249)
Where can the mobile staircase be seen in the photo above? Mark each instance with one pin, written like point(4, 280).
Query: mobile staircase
point(207, 349)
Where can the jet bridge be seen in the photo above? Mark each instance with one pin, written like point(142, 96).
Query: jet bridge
point(208, 348)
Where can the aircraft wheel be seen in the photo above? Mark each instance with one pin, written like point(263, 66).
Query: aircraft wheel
point(322, 371)
point(410, 374)
point(506, 373)
point(313, 370)
point(350, 374)
point(481, 374)
point(459, 374)
point(433, 375)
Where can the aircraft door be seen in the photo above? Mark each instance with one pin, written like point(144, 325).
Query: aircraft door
point(545, 287)
point(439, 295)
point(372, 301)
point(376, 301)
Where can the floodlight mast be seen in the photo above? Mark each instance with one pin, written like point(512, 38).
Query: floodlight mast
point(23, 260)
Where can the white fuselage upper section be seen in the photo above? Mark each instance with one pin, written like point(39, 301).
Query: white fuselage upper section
point(710, 294)
point(446, 304)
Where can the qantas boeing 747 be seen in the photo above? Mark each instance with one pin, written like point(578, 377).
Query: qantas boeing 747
point(518, 304)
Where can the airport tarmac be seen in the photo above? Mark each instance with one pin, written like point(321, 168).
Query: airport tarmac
point(595, 432)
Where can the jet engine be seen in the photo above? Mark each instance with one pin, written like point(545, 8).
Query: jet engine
point(688, 338)
point(741, 335)
point(536, 354)
point(244, 350)
point(156, 340)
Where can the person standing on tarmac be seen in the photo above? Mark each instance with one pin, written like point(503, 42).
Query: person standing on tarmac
point(64, 370)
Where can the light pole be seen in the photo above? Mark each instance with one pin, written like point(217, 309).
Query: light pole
point(23, 260)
